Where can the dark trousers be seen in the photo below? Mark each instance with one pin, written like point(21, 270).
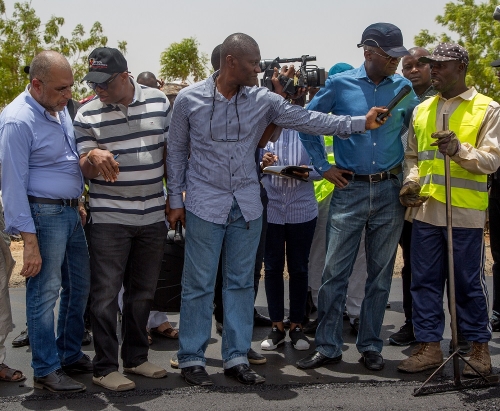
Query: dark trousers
point(429, 264)
point(405, 243)
point(128, 255)
point(259, 258)
point(494, 212)
point(297, 239)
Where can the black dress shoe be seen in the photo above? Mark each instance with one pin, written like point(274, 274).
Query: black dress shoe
point(316, 359)
point(260, 320)
point(22, 339)
point(244, 374)
point(87, 337)
point(354, 326)
point(58, 381)
point(495, 323)
point(82, 366)
point(373, 360)
point(311, 327)
point(196, 375)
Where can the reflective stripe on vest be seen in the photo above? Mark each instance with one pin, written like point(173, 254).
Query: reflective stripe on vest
point(467, 190)
point(323, 188)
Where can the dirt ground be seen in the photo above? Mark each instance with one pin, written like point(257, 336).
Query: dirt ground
point(17, 280)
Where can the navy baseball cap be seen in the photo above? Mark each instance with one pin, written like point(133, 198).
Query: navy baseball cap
point(103, 63)
point(386, 36)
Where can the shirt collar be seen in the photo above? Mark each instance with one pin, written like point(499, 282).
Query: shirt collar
point(466, 95)
point(208, 91)
point(361, 73)
point(38, 107)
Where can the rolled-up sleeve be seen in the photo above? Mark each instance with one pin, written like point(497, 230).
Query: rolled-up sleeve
point(14, 154)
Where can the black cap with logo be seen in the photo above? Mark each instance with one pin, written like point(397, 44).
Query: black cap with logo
point(103, 63)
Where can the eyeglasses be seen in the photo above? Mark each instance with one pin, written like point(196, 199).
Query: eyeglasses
point(387, 57)
point(212, 115)
point(59, 90)
point(103, 86)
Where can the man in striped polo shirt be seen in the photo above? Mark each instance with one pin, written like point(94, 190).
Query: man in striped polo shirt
point(121, 142)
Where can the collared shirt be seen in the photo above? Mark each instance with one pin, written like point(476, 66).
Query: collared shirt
point(39, 158)
point(352, 92)
point(211, 155)
point(291, 201)
point(482, 159)
point(136, 133)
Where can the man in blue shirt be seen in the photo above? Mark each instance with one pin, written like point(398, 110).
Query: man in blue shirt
point(41, 185)
point(368, 177)
point(216, 125)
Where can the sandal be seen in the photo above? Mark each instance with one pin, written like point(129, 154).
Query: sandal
point(169, 332)
point(7, 374)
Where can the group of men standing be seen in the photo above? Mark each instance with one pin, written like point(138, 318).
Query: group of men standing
point(119, 142)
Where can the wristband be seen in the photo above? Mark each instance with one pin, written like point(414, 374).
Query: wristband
point(88, 158)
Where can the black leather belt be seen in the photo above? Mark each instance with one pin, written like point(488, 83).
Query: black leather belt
point(374, 178)
point(73, 202)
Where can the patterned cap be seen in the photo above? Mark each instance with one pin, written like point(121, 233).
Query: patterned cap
point(447, 52)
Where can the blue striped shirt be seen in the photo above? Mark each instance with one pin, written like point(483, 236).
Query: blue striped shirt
point(291, 201)
point(213, 172)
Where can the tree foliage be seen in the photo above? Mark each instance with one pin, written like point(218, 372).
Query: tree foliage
point(474, 28)
point(181, 60)
point(22, 36)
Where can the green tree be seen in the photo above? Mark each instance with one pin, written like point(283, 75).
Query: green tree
point(22, 36)
point(474, 28)
point(181, 60)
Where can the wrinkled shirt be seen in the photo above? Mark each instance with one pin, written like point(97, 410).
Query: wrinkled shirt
point(355, 93)
point(39, 158)
point(212, 142)
point(291, 201)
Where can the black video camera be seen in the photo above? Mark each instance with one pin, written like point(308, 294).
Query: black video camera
point(306, 76)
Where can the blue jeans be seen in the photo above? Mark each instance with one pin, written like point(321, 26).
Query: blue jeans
point(376, 207)
point(429, 265)
point(236, 242)
point(298, 238)
point(65, 272)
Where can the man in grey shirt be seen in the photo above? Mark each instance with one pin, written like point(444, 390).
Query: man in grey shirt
point(216, 125)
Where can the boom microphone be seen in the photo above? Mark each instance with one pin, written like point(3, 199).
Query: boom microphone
point(395, 101)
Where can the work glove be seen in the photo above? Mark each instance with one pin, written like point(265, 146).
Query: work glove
point(447, 142)
point(409, 195)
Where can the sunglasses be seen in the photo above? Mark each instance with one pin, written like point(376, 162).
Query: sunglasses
point(102, 86)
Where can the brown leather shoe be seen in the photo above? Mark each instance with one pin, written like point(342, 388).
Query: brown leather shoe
point(425, 356)
point(480, 360)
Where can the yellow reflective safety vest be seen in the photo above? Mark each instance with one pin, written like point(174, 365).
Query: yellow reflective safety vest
point(323, 188)
point(467, 190)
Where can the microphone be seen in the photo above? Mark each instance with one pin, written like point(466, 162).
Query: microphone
point(395, 101)
point(178, 237)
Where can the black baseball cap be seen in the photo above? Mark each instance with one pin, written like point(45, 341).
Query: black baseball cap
point(386, 36)
point(496, 63)
point(103, 63)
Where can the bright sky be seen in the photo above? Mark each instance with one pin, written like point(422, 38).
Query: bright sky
point(328, 29)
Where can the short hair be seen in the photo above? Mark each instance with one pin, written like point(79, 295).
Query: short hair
point(215, 58)
point(42, 63)
point(237, 44)
point(148, 79)
point(414, 50)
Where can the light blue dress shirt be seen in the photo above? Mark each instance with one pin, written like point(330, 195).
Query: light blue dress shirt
point(39, 158)
point(212, 141)
point(375, 150)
